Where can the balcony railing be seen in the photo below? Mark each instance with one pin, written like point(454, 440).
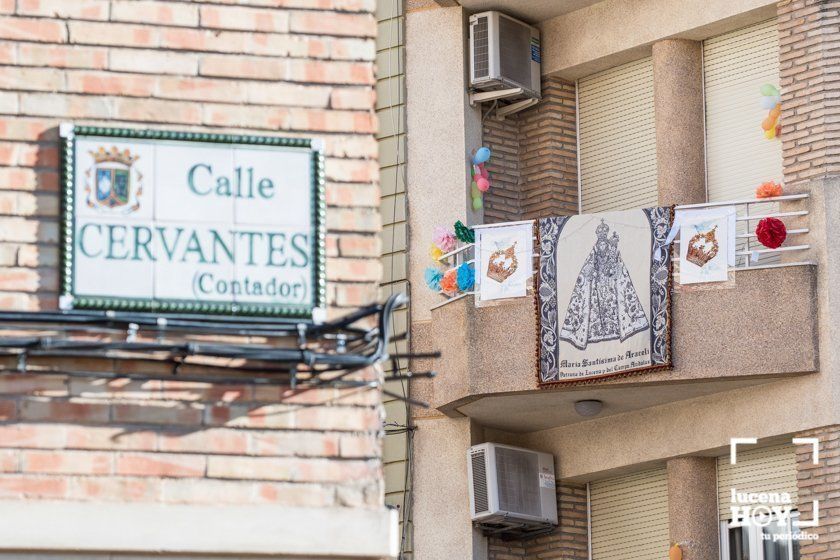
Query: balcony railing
point(750, 254)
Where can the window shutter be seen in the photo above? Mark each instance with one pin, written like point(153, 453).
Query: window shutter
point(767, 469)
point(630, 516)
point(738, 156)
point(617, 138)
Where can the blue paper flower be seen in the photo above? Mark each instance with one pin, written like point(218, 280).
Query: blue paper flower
point(466, 277)
point(433, 277)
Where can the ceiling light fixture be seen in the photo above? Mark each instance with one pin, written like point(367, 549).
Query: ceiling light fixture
point(589, 407)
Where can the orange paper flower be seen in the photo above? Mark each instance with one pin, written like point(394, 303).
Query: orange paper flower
point(768, 190)
point(449, 282)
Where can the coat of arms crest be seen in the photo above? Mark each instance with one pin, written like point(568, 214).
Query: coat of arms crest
point(113, 183)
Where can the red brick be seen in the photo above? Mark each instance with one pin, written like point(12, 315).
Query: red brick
point(106, 437)
point(25, 486)
point(206, 491)
point(116, 34)
point(76, 9)
point(289, 469)
point(114, 489)
point(159, 464)
point(199, 89)
point(31, 384)
point(155, 110)
point(244, 67)
point(28, 280)
point(357, 25)
point(68, 411)
point(205, 441)
point(66, 462)
point(352, 98)
point(7, 6)
point(153, 62)
point(28, 29)
point(246, 19)
point(157, 413)
point(330, 72)
point(8, 410)
point(9, 461)
point(61, 56)
point(302, 495)
point(103, 83)
point(147, 11)
point(301, 444)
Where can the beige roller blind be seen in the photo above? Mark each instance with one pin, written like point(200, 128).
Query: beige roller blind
point(766, 469)
point(735, 66)
point(617, 138)
point(630, 516)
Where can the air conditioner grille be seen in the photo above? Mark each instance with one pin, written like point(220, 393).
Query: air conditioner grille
point(515, 51)
point(479, 481)
point(481, 49)
point(519, 489)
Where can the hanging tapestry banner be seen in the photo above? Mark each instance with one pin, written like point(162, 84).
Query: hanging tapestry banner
point(504, 261)
point(604, 294)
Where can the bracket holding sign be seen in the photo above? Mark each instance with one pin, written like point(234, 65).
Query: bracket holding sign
point(191, 222)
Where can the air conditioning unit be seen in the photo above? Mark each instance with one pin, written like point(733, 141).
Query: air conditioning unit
point(511, 485)
point(504, 54)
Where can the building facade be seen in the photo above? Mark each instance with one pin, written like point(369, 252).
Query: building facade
point(643, 103)
point(96, 467)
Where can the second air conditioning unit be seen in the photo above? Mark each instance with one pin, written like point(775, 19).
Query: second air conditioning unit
point(504, 54)
point(511, 487)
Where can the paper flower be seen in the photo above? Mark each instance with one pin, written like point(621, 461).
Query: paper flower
point(466, 277)
point(463, 233)
point(433, 277)
point(435, 252)
point(444, 239)
point(771, 232)
point(449, 282)
point(768, 190)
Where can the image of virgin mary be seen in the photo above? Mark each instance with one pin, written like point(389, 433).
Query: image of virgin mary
point(604, 303)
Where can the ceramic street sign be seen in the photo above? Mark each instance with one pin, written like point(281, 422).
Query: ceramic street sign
point(191, 222)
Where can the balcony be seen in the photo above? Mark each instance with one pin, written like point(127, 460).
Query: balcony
point(759, 326)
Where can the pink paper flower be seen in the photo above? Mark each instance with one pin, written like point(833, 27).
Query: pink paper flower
point(444, 239)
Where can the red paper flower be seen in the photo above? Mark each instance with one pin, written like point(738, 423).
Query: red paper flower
point(771, 232)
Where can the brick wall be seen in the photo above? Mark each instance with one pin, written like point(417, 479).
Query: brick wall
point(809, 68)
point(569, 541)
point(304, 69)
point(534, 164)
point(820, 482)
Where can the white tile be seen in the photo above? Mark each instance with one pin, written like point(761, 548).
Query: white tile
point(188, 180)
point(286, 179)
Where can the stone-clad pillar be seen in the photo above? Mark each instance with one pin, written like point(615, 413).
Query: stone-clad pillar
point(678, 108)
point(692, 507)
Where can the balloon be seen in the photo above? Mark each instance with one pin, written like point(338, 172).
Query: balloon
point(770, 134)
point(483, 171)
point(474, 190)
point(478, 204)
point(769, 89)
point(481, 155)
point(778, 130)
point(482, 184)
point(768, 102)
point(768, 123)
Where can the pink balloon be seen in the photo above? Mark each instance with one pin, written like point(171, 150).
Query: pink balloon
point(483, 184)
point(483, 172)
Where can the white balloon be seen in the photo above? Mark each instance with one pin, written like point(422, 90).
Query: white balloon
point(768, 101)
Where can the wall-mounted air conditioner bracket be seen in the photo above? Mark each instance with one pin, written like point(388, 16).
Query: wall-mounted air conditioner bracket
point(509, 530)
point(482, 96)
point(503, 111)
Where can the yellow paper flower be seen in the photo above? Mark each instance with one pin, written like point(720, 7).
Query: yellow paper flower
point(435, 252)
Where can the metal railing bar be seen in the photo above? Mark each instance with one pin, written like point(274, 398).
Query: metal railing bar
point(777, 250)
point(741, 202)
point(773, 215)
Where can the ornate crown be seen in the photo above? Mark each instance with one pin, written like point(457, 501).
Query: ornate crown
point(102, 155)
point(702, 248)
point(503, 264)
point(602, 230)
